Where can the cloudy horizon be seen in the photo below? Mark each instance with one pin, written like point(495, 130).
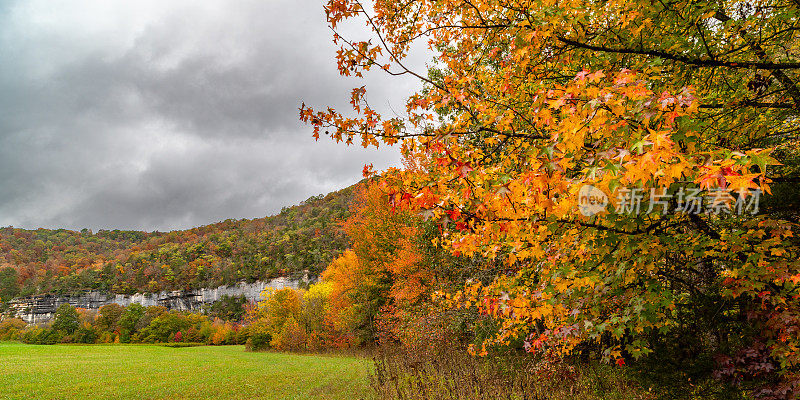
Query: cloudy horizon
point(152, 116)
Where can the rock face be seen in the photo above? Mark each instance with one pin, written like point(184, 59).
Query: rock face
point(40, 309)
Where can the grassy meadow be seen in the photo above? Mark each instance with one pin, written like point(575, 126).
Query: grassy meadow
point(157, 372)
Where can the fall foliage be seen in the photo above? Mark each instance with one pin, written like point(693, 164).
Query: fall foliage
point(529, 101)
point(584, 181)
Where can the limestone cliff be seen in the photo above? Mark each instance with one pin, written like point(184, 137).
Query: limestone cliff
point(40, 309)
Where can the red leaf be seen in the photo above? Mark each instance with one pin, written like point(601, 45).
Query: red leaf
point(367, 172)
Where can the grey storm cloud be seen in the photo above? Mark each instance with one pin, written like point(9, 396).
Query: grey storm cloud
point(167, 115)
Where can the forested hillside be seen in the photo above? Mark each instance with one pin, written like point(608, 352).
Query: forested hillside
point(301, 238)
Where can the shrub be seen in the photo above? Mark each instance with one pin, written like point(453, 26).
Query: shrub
point(224, 333)
point(164, 327)
point(259, 337)
point(203, 332)
point(106, 337)
point(10, 329)
point(86, 334)
point(449, 372)
point(242, 335)
point(39, 335)
point(291, 337)
point(178, 345)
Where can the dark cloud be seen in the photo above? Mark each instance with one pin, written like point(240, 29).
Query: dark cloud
point(142, 115)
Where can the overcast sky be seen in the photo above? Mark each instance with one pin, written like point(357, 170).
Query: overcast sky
point(161, 115)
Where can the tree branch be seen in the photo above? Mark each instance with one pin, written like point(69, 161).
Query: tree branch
point(684, 59)
point(784, 79)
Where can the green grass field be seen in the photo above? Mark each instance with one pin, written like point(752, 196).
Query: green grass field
point(156, 372)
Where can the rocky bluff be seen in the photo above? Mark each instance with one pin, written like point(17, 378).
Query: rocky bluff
point(40, 308)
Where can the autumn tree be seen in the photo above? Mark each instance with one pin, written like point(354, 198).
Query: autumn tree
point(109, 316)
point(316, 314)
point(385, 270)
point(346, 319)
point(677, 117)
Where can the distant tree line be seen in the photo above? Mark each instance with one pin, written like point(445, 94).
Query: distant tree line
point(219, 324)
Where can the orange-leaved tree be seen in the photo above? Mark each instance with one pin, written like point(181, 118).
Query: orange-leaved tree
point(617, 155)
point(384, 271)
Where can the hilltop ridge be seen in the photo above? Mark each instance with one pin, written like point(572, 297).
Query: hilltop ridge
point(304, 237)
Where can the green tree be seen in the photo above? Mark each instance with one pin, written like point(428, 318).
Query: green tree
point(228, 308)
point(109, 317)
point(128, 321)
point(164, 327)
point(8, 286)
point(66, 319)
